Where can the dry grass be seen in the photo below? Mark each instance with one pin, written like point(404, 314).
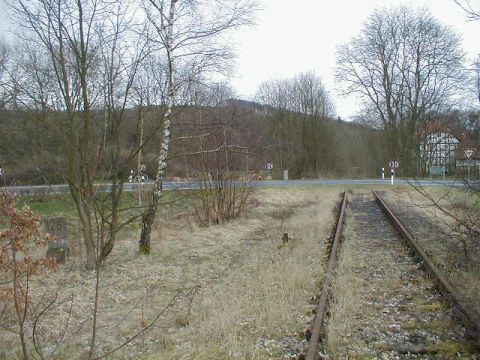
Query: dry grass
point(236, 284)
point(347, 290)
point(267, 298)
point(445, 250)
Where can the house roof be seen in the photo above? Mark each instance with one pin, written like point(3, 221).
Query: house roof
point(439, 126)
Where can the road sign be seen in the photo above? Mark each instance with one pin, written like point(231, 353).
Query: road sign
point(437, 170)
point(469, 152)
point(269, 166)
point(393, 164)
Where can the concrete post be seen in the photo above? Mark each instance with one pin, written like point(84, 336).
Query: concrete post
point(59, 247)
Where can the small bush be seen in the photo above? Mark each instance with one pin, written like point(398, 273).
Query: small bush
point(19, 238)
point(220, 198)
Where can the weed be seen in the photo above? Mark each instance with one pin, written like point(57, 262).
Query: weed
point(433, 307)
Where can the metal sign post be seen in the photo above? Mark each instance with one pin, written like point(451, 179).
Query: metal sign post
point(469, 153)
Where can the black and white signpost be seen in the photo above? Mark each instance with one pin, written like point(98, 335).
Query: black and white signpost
point(269, 168)
point(393, 164)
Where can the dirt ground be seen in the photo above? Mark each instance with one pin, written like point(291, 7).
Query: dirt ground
point(231, 291)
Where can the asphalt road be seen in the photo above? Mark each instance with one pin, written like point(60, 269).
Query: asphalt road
point(63, 189)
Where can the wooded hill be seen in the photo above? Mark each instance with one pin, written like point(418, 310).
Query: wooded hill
point(309, 147)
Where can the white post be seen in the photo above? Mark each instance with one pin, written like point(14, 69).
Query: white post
point(392, 174)
point(383, 173)
point(285, 174)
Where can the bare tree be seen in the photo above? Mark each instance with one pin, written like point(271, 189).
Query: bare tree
point(277, 95)
point(310, 96)
point(300, 107)
point(4, 55)
point(476, 78)
point(93, 51)
point(85, 47)
point(472, 13)
point(149, 92)
point(461, 217)
point(191, 35)
point(404, 64)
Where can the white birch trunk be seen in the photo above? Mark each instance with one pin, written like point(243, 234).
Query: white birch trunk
point(150, 213)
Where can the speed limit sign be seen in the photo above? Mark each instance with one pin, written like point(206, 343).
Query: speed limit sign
point(393, 164)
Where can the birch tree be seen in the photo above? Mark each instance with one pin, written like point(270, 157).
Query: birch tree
point(149, 92)
point(192, 35)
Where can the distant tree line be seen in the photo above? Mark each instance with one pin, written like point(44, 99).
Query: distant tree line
point(304, 135)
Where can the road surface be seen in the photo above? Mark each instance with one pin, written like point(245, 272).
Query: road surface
point(63, 189)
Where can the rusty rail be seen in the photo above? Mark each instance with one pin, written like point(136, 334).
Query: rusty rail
point(469, 318)
point(322, 308)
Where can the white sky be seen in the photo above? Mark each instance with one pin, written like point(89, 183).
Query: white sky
point(302, 35)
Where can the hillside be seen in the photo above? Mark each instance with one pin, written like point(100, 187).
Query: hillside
point(31, 148)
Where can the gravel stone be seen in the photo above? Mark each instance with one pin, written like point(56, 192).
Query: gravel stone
point(398, 310)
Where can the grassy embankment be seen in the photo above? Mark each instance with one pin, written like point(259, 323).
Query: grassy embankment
point(240, 293)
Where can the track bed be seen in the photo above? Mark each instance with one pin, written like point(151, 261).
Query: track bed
point(385, 306)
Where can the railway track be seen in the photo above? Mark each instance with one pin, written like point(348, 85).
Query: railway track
point(401, 310)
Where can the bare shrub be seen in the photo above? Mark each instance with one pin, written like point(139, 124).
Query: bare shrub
point(466, 231)
point(220, 198)
point(461, 219)
point(19, 238)
point(224, 185)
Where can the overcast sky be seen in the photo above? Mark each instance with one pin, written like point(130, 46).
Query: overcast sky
point(302, 35)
